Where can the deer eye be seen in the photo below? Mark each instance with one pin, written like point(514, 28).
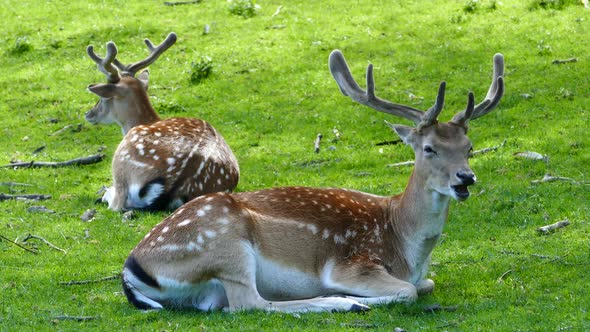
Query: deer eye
point(429, 150)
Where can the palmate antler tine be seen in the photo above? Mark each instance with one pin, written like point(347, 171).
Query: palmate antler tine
point(495, 93)
point(341, 73)
point(429, 118)
point(155, 52)
point(105, 65)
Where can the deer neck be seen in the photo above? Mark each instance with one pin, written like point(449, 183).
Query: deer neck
point(418, 219)
point(140, 112)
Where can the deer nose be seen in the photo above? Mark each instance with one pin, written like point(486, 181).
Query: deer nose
point(467, 177)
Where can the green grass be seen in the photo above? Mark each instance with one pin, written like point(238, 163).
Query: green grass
point(269, 92)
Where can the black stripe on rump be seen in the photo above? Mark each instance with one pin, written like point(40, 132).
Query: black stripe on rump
point(132, 265)
point(159, 203)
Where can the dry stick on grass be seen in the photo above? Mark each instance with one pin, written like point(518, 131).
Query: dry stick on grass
point(486, 150)
point(85, 282)
point(551, 228)
point(51, 245)
point(76, 318)
point(32, 197)
point(61, 130)
point(316, 144)
point(559, 62)
point(473, 154)
point(277, 11)
point(73, 162)
point(501, 278)
point(14, 184)
point(171, 3)
point(551, 178)
point(2, 237)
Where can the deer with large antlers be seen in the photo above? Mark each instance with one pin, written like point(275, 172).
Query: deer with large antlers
point(306, 249)
point(160, 164)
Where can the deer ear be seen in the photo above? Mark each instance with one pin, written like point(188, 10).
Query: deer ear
point(104, 90)
point(404, 132)
point(143, 77)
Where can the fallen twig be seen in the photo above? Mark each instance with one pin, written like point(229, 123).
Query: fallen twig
point(486, 150)
point(403, 163)
point(176, 3)
point(559, 62)
point(38, 150)
point(76, 318)
point(437, 307)
point(551, 228)
point(277, 11)
point(12, 184)
point(51, 245)
point(85, 282)
point(531, 155)
point(551, 178)
point(393, 142)
point(2, 237)
point(501, 278)
point(73, 162)
point(32, 197)
point(61, 130)
point(316, 144)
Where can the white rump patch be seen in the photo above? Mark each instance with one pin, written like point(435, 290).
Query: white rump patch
point(134, 201)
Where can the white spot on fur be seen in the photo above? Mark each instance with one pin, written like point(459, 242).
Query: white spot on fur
point(325, 234)
point(184, 223)
point(193, 247)
point(313, 228)
point(170, 247)
point(201, 166)
point(171, 161)
point(138, 163)
point(338, 239)
point(200, 213)
point(210, 234)
point(165, 229)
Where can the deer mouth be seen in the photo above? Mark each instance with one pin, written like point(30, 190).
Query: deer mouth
point(461, 192)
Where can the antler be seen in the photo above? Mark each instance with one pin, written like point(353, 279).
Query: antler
point(155, 52)
point(341, 72)
point(106, 65)
point(491, 100)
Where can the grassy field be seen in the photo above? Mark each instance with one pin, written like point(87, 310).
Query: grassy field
point(270, 93)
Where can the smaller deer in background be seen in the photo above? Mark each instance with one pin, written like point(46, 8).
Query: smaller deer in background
point(302, 249)
point(160, 164)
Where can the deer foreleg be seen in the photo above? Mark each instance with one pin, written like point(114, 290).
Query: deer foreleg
point(368, 283)
point(240, 286)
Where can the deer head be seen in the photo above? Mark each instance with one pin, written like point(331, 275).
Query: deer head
point(123, 99)
point(441, 149)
